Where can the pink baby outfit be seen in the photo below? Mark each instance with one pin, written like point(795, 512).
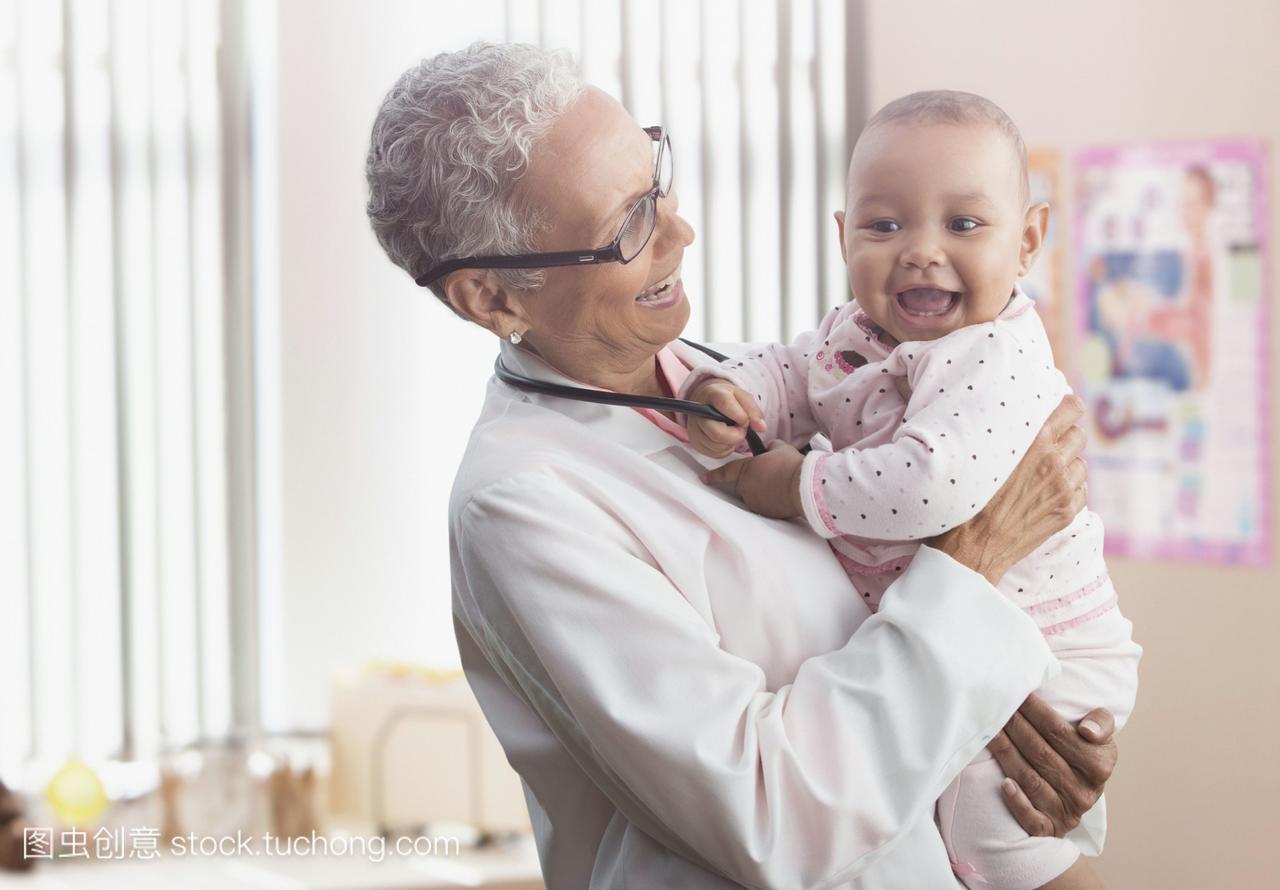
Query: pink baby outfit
point(914, 439)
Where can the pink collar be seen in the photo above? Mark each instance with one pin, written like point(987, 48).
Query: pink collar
point(673, 373)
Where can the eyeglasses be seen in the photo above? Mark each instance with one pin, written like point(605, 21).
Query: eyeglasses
point(637, 228)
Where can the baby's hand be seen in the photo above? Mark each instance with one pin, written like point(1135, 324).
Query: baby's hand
point(712, 437)
point(769, 484)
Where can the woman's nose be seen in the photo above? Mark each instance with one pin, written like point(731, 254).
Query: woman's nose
point(673, 230)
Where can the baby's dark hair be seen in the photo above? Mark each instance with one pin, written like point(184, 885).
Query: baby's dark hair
point(955, 107)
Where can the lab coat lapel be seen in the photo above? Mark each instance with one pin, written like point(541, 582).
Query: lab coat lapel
point(617, 423)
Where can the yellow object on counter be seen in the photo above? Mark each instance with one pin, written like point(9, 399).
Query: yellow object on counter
point(407, 670)
point(76, 794)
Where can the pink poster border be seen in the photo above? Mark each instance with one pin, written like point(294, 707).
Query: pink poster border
point(1256, 554)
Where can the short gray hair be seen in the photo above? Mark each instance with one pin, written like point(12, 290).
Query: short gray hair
point(449, 143)
point(955, 107)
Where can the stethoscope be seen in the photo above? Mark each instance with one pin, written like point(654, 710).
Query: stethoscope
point(656, 403)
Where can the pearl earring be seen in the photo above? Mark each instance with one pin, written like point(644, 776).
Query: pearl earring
point(515, 338)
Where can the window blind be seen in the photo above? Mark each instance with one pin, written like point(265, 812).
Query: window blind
point(116, 600)
point(754, 97)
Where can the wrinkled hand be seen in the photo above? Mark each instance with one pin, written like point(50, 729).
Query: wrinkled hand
point(1056, 771)
point(716, 439)
point(769, 484)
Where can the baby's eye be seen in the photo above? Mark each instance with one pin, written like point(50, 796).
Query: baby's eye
point(884, 226)
point(963, 224)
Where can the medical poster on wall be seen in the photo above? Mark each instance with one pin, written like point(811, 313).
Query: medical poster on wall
point(1043, 284)
point(1173, 355)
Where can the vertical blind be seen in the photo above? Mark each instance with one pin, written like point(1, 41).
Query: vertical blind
point(753, 95)
point(115, 592)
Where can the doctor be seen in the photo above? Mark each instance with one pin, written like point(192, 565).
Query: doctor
point(693, 694)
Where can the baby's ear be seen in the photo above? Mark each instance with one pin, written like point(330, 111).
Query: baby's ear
point(1035, 227)
point(839, 215)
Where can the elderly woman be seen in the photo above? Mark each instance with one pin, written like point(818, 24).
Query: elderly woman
point(693, 695)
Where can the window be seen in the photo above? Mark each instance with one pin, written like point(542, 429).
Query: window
point(120, 605)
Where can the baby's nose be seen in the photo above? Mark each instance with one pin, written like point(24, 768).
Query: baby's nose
point(922, 252)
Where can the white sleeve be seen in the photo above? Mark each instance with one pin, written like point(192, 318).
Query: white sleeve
point(806, 786)
point(1091, 834)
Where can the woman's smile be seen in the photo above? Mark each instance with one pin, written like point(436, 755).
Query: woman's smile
point(666, 293)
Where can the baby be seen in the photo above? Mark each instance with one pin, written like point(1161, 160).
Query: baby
point(930, 386)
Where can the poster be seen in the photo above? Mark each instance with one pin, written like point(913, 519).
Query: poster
point(1043, 283)
point(1173, 354)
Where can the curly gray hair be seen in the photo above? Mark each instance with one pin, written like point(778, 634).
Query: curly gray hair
point(449, 143)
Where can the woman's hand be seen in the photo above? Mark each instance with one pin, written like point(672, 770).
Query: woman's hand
point(1056, 771)
point(1041, 497)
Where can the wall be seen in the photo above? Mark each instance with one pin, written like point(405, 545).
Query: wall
point(1193, 801)
point(379, 384)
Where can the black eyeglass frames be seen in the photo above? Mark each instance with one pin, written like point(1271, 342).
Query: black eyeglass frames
point(635, 232)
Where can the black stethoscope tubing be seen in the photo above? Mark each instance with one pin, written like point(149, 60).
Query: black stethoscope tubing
point(602, 397)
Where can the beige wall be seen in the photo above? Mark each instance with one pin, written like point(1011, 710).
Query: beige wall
point(1194, 802)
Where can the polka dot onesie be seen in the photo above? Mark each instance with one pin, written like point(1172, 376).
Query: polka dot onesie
point(914, 439)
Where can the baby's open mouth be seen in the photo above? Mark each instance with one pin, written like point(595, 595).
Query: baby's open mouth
point(927, 302)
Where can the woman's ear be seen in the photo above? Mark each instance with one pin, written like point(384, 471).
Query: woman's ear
point(1034, 229)
point(479, 296)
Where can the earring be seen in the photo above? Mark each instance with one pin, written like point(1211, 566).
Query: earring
point(515, 338)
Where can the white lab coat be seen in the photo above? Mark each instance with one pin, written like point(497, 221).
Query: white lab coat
point(694, 695)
